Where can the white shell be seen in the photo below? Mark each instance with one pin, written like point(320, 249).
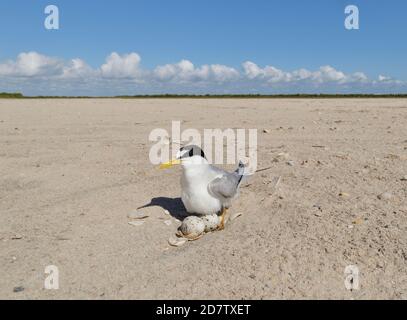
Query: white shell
point(136, 223)
point(177, 242)
point(385, 196)
point(211, 222)
point(137, 214)
point(192, 227)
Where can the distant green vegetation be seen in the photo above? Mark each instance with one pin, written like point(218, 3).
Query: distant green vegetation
point(5, 95)
point(263, 96)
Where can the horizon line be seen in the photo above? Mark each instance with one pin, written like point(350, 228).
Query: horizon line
point(5, 95)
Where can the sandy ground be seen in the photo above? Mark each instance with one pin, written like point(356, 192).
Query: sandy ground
point(71, 171)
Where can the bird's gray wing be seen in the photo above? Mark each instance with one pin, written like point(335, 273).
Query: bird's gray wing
point(225, 186)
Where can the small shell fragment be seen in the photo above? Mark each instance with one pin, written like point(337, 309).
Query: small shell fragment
point(167, 212)
point(235, 215)
point(277, 182)
point(281, 156)
point(385, 196)
point(137, 214)
point(167, 222)
point(136, 223)
point(176, 242)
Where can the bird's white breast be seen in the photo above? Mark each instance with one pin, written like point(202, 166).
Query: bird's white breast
point(195, 195)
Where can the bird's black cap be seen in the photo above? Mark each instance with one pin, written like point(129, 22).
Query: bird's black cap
point(193, 150)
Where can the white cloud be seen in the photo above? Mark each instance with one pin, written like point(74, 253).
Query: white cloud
point(222, 73)
point(185, 71)
point(126, 66)
point(327, 74)
point(77, 68)
point(324, 75)
point(31, 64)
point(358, 77)
point(123, 74)
point(384, 78)
point(269, 73)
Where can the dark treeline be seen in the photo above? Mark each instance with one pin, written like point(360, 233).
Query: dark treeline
point(209, 96)
point(11, 95)
point(267, 96)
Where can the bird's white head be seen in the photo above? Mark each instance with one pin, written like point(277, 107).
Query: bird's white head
point(191, 156)
point(188, 156)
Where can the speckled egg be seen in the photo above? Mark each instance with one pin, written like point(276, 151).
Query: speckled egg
point(192, 227)
point(211, 222)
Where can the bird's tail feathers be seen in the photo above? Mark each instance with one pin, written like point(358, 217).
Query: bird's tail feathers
point(242, 172)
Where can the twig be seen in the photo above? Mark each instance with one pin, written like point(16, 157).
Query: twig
point(264, 169)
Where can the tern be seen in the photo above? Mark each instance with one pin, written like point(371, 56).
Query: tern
point(206, 189)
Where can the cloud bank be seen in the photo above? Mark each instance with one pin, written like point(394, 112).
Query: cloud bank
point(34, 73)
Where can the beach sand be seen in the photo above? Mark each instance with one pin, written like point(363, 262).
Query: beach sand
point(71, 170)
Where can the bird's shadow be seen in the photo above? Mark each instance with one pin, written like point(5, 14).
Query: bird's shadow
point(174, 206)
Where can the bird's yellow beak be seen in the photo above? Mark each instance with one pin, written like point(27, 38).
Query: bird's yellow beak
point(169, 164)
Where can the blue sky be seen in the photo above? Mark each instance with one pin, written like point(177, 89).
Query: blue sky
point(216, 38)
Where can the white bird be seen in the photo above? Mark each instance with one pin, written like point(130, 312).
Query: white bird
point(206, 189)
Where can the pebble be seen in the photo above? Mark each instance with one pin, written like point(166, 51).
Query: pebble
point(344, 194)
point(17, 237)
point(404, 178)
point(266, 131)
point(318, 206)
point(290, 163)
point(167, 212)
point(168, 222)
point(385, 196)
point(137, 214)
point(18, 289)
point(136, 223)
point(357, 221)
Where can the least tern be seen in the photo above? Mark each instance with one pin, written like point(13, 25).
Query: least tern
point(206, 189)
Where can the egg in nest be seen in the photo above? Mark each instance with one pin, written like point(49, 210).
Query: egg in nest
point(211, 222)
point(192, 228)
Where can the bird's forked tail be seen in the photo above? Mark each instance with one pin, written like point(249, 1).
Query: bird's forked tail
point(241, 172)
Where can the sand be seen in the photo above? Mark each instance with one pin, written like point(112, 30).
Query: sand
point(72, 170)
